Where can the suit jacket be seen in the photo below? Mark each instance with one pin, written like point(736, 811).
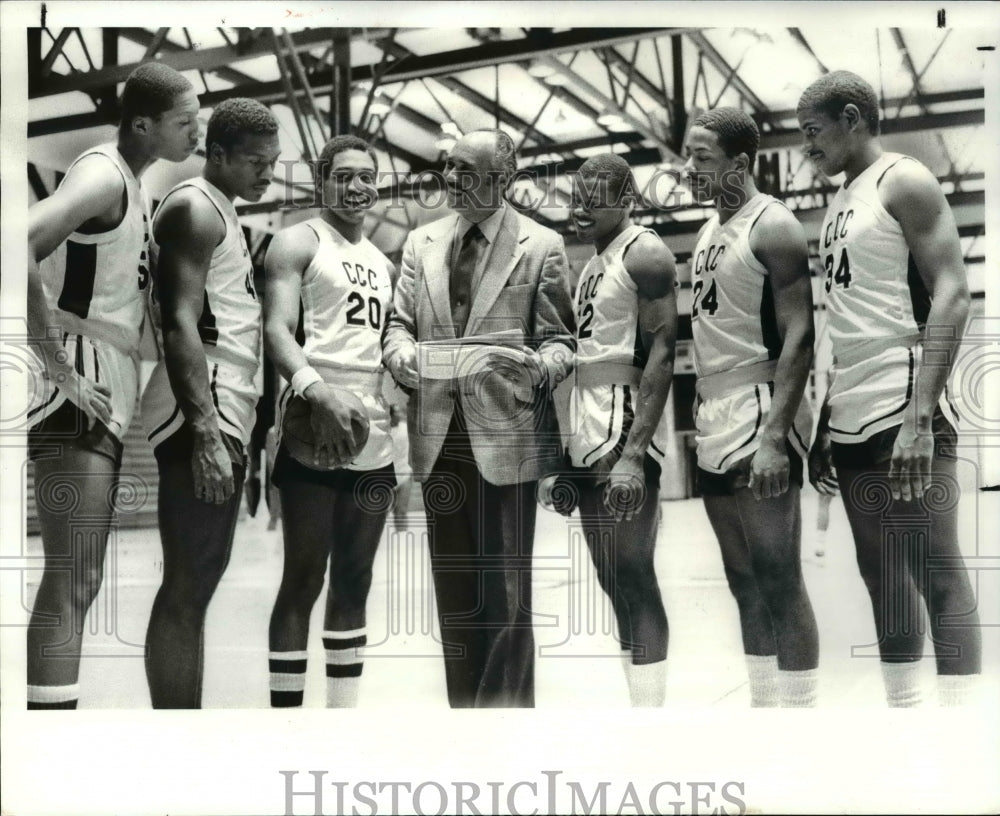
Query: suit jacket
point(525, 285)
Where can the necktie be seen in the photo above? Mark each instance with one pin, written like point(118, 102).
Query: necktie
point(462, 272)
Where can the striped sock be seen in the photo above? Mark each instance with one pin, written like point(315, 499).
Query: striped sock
point(344, 662)
point(53, 697)
point(798, 688)
point(763, 673)
point(288, 678)
point(902, 684)
point(957, 689)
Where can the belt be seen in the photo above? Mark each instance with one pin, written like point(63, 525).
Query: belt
point(608, 374)
point(868, 349)
point(713, 386)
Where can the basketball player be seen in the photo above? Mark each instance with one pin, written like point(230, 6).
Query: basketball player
point(198, 407)
point(751, 318)
point(334, 509)
point(894, 266)
point(626, 318)
point(88, 245)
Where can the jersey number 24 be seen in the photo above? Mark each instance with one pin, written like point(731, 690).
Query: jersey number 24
point(709, 302)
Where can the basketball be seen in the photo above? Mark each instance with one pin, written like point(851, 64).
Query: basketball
point(297, 433)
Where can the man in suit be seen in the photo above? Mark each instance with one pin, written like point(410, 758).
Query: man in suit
point(479, 443)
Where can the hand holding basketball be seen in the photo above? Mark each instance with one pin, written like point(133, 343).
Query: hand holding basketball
point(326, 429)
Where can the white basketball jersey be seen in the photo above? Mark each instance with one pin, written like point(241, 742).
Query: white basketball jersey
point(873, 293)
point(607, 307)
point(607, 331)
point(230, 321)
point(346, 299)
point(94, 282)
point(872, 286)
point(733, 321)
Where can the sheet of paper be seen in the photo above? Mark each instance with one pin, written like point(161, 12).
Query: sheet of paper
point(467, 356)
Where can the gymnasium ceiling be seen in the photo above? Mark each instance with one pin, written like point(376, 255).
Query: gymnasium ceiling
point(546, 87)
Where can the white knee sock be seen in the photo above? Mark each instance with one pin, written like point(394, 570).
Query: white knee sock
point(343, 666)
point(647, 683)
point(53, 696)
point(902, 684)
point(763, 673)
point(798, 688)
point(957, 689)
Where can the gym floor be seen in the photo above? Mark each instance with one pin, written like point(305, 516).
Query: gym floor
point(578, 663)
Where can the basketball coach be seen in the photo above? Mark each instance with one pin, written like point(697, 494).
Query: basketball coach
point(480, 440)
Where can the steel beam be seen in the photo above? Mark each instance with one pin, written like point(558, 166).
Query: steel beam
point(640, 79)
point(678, 122)
point(35, 180)
point(427, 65)
point(204, 59)
point(340, 77)
point(632, 121)
point(719, 63)
point(55, 50)
point(938, 98)
point(604, 140)
point(107, 95)
point(140, 36)
point(155, 44)
point(791, 137)
point(463, 91)
point(801, 38)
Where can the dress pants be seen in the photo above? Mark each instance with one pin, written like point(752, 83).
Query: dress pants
point(481, 539)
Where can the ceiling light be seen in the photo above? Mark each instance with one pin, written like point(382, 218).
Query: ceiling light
point(447, 137)
point(610, 117)
point(556, 78)
point(379, 106)
point(540, 70)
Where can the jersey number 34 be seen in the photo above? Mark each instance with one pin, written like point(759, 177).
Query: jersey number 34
point(842, 277)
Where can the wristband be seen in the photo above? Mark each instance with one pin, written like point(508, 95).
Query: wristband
point(303, 378)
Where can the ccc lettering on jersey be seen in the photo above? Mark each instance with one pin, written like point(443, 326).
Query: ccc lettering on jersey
point(836, 228)
point(707, 260)
point(585, 306)
point(362, 311)
point(360, 275)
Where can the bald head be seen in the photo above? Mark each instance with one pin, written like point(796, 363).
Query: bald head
point(477, 172)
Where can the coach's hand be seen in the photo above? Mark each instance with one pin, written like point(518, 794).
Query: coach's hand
point(910, 467)
point(769, 469)
point(524, 375)
point(332, 424)
point(211, 467)
point(404, 368)
point(625, 491)
point(822, 474)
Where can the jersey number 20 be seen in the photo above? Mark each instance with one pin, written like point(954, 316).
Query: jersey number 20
point(357, 301)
